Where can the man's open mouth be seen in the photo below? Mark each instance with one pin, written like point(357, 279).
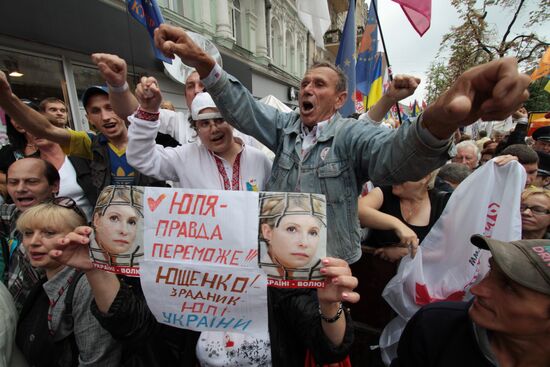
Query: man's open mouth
point(307, 106)
point(25, 200)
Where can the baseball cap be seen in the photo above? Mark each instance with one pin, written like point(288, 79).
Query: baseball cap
point(542, 133)
point(200, 102)
point(527, 262)
point(92, 91)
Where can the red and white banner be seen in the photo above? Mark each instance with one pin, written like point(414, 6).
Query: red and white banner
point(447, 264)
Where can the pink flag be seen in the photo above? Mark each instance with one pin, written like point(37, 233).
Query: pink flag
point(419, 13)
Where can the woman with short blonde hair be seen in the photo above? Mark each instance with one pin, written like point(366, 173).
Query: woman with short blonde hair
point(70, 335)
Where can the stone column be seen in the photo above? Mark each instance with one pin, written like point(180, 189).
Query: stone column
point(261, 38)
point(223, 25)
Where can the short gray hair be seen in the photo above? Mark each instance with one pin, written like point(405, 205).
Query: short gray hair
point(342, 84)
point(469, 144)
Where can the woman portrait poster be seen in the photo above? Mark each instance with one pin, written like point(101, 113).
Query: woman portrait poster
point(292, 238)
point(117, 242)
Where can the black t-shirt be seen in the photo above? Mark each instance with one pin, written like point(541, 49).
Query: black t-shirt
point(392, 206)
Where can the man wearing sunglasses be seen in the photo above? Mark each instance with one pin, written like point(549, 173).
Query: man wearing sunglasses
point(30, 181)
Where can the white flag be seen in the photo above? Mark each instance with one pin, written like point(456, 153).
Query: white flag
point(447, 264)
point(315, 16)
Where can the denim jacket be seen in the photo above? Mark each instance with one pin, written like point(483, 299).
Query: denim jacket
point(348, 153)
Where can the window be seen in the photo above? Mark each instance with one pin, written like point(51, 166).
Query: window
point(34, 77)
point(174, 5)
point(236, 21)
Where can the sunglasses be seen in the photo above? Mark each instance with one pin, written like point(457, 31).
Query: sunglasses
point(68, 203)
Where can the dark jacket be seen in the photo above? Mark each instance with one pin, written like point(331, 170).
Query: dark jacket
point(145, 342)
point(101, 167)
point(294, 326)
point(440, 334)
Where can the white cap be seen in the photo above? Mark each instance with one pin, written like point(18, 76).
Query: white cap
point(200, 102)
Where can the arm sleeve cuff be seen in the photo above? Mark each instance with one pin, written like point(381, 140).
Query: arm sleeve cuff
point(213, 77)
point(426, 136)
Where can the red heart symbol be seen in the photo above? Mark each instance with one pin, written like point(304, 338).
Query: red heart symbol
point(229, 344)
point(154, 203)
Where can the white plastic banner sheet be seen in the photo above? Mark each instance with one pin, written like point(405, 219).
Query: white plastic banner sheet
point(200, 268)
point(447, 264)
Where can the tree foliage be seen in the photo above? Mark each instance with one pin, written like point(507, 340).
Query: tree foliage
point(539, 99)
point(475, 41)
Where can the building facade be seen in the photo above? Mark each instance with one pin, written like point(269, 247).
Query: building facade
point(262, 43)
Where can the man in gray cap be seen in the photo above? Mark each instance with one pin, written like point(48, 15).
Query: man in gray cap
point(506, 324)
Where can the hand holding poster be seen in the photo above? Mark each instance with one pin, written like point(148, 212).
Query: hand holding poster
point(197, 251)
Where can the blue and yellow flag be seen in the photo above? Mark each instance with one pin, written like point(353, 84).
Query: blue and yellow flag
point(366, 55)
point(375, 89)
point(148, 14)
point(346, 59)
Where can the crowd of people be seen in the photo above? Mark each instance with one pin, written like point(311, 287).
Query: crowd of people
point(71, 313)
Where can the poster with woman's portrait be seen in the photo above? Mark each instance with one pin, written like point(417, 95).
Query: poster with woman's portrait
point(116, 244)
point(292, 238)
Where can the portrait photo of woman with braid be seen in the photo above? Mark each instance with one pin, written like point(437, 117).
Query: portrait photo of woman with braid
point(292, 235)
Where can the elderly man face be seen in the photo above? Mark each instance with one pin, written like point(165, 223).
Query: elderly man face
point(466, 155)
point(319, 96)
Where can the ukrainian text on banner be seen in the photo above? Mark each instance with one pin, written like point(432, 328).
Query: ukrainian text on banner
point(201, 260)
point(206, 297)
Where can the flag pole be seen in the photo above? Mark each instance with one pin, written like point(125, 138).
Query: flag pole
point(390, 76)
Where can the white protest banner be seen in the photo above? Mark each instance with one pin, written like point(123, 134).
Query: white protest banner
point(201, 260)
point(203, 226)
point(206, 297)
point(447, 264)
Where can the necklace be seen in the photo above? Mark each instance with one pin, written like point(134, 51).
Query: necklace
point(410, 210)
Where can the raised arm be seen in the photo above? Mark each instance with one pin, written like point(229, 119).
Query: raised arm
point(142, 152)
point(401, 87)
point(234, 101)
point(491, 91)
point(114, 70)
point(32, 121)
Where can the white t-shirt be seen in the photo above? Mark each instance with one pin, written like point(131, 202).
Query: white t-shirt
point(177, 127)
point(70, 188)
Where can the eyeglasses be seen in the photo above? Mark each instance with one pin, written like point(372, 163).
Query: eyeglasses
point(206, 124)
point(68, 203)
point(537, 210)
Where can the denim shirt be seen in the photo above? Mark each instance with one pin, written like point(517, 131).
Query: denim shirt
point(348, 153)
